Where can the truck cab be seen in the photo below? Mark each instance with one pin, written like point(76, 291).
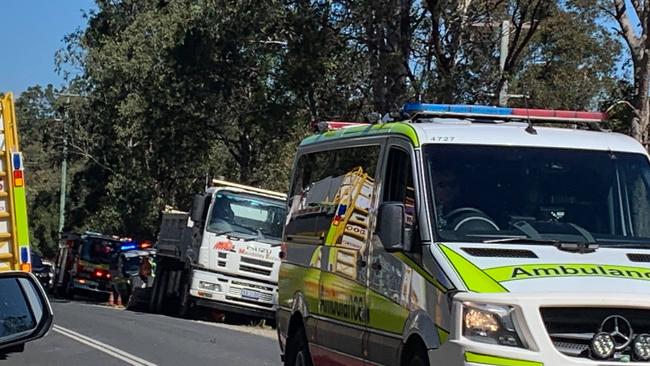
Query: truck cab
point(225, 252)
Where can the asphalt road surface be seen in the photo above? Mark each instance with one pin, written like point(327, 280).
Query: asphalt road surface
point(89, 334)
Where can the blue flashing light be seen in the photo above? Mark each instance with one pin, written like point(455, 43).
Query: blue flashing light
point(17, 160)
point(24, 255)
point(129, 246)
point(456, 109)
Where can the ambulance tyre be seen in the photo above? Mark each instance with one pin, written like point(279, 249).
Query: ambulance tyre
point(298, 350)
point(418, 359)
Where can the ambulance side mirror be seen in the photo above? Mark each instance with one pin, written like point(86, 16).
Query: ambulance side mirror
point(25, 312)
point(390, 227)
point(200, 206)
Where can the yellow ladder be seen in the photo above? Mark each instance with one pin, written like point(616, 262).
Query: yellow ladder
point(14, 235)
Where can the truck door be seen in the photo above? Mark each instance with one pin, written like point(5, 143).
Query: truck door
point(389, 279)
point(350, 200)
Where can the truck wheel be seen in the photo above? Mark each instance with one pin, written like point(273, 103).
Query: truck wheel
point(69, 293)
point(185, 301)
point(160, 289)
point(298, 350)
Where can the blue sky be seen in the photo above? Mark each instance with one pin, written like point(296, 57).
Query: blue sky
point(32, 31)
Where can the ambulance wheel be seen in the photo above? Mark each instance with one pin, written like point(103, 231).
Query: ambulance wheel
point(298, 350)
point(418, 359)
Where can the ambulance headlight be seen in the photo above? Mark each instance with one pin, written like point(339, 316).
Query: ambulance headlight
point(490, 323)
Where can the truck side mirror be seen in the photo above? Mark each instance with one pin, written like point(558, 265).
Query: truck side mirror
point(391, 228)
point(199, 207)
point(25, 312)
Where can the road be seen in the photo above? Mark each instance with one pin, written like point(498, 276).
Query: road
point(85, 334)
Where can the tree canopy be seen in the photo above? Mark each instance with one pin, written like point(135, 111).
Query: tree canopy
point(172, 92)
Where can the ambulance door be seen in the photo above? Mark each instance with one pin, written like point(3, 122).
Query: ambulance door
point(344, 258)
point(389, 294)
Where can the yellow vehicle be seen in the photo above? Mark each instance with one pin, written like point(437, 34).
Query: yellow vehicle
point(14, 234)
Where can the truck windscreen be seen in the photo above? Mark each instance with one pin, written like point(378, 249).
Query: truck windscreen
point(98, 250)
point(491, 193)
point(247, 214)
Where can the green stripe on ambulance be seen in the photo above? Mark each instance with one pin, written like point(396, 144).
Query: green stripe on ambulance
point(531, 271)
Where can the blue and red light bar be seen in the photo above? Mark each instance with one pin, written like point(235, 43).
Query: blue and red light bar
point(131, 245)
point(489, 112)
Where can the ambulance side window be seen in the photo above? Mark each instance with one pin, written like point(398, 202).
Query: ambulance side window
point(399, 183)
point(325, 191)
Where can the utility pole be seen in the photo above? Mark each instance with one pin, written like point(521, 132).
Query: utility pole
point(64, 173)
point(503, 55)
point(64, 163)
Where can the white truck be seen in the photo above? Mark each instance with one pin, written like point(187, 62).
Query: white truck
point(224, 254)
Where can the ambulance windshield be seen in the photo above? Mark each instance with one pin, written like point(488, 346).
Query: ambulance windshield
point(484, 193)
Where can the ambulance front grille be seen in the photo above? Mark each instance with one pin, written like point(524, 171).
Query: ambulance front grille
point(571, 329)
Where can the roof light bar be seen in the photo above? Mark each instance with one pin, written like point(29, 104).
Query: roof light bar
point(323, 126)
point(489, 112)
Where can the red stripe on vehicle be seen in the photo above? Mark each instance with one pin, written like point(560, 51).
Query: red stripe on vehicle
point(325, 356)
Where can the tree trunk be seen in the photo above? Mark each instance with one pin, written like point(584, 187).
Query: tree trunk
point(643, 105)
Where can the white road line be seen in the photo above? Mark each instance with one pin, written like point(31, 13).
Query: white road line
point(103, 347)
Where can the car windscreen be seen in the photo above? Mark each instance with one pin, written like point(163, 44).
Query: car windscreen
point(483, 193)
point(99, 250)
point(247, 214)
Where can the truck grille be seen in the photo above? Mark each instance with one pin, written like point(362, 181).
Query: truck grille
point(571, 329)
point(257, 262)
point(256, 270)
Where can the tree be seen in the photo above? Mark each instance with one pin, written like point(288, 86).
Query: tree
point(635, 35)
point(38, 126)
point(567, 67)
point(176, 90)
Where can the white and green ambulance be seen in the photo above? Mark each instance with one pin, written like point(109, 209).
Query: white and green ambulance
point(467, 235)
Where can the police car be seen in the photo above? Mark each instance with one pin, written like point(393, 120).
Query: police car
point(467, 235)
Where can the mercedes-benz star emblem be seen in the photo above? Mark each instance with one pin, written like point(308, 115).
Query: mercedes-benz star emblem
point(619, 329)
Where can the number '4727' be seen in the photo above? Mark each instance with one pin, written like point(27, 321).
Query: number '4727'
point(443, 138)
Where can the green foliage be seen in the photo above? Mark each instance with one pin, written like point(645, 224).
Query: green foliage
point(174, 91)
point(35, 111)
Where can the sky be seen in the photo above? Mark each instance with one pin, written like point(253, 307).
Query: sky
point(32, 32)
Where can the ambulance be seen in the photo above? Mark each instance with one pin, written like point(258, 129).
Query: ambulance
point(467, 235)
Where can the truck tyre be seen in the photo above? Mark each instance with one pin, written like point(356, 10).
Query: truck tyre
point(69, 292)
point(159, 287)
point(298, 350)
point(184, 301)
point(162, 291)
